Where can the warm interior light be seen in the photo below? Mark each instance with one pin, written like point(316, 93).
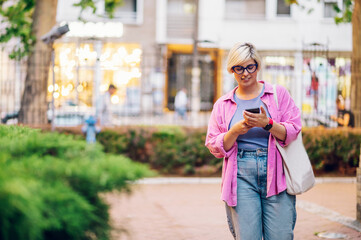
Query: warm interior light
point(103, 88)
point(80, 88)
point(114, 99)
point(75, 64)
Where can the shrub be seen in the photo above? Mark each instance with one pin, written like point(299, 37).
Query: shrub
point(333, 149)
point(181, 150)
point(50, 185)
point(169, 149)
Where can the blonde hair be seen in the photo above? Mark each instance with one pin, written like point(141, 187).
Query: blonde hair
point(240, 53)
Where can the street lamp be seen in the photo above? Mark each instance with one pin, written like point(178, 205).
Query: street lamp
point(49, 38)
point(55, 33)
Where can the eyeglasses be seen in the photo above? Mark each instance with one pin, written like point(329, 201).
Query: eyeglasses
point(250, 68)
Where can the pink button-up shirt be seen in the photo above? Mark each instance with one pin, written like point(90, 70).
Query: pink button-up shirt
point(287, 114)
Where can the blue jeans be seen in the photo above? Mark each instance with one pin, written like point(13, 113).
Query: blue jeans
point(182, 112)
point(255, 215)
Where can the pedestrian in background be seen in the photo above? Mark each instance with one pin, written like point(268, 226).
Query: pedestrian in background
point(344, 118)
point(253, 181)
point(104, 112)
point(314, 89)
point(180, 103)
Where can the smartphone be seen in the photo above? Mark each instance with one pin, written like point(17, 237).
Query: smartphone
point(253, 110)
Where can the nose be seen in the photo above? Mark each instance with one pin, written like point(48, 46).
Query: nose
point(245, 74)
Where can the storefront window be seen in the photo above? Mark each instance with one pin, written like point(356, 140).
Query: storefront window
point(83, 71)
point(342, 67)
point(180, 76)
point(120, 64)
point(324, 80)
point(64, 73)
point(278, 70)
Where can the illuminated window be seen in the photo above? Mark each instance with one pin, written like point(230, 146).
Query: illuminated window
point(77, 68)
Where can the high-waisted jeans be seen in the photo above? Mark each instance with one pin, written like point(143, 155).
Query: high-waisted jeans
point(255, 215)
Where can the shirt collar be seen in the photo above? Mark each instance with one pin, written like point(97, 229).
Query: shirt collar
point(268, 88)
point(229, 95)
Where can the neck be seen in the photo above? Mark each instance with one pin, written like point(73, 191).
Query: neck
point(249, 92)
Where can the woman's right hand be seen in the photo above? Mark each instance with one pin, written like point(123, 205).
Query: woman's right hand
point(231, 136)
point(240, 128)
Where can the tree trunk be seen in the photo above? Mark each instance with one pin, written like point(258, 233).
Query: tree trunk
point(33, 110)
point(356, 63)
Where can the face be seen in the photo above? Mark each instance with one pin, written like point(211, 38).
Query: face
point(112, 91)
point(340, 105)
point(249, 74)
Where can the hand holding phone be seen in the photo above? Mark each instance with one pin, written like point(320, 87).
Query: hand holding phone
point(253, 110)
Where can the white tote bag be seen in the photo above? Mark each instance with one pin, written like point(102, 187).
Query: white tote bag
point(296, 164)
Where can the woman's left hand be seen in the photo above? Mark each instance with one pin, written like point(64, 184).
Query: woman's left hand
point(256, 119)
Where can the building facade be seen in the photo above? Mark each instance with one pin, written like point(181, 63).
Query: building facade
point(146, 51)
point(295, 44)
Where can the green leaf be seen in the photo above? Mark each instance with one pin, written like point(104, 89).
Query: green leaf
point(310, 10)
point(336, 8)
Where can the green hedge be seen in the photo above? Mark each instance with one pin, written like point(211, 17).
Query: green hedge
point(50, 185)
point(169, 149)
point(335, 149)
point(181, 150)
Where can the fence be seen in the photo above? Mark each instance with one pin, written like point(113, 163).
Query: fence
point(80, 80)
point(76, 91)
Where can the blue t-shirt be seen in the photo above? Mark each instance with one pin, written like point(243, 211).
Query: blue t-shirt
point(256, 137)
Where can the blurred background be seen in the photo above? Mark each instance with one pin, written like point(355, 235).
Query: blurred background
point(56, 186)
point(151, 49)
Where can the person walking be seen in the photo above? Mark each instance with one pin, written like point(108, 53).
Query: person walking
point(104, 112)
point(180, 103)
point(253, 180)
point(314, 90)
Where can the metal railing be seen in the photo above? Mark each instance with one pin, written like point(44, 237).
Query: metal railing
point(144, 107)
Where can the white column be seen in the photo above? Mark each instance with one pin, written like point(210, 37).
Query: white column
point(271, 8)
point(297, 87)
point(196, 72)
point(161, 21)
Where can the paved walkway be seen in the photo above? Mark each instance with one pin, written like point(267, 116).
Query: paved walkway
point(190, 209)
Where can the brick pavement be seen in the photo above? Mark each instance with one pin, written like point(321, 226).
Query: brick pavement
point(193, 211)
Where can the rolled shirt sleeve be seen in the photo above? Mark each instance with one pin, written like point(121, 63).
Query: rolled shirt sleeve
point(290, 117)
point(217, 129)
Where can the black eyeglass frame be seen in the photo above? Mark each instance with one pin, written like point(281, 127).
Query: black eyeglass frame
point(245, 68)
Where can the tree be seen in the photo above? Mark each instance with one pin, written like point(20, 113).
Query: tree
point(27, 21)
point(356, 63)
point(351, 12)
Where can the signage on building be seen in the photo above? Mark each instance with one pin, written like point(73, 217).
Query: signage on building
point(98, 29)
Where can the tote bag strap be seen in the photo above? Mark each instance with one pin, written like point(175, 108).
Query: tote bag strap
point(275, 94)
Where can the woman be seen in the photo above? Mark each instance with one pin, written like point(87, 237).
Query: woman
point(344, 117)
point(253, 181)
